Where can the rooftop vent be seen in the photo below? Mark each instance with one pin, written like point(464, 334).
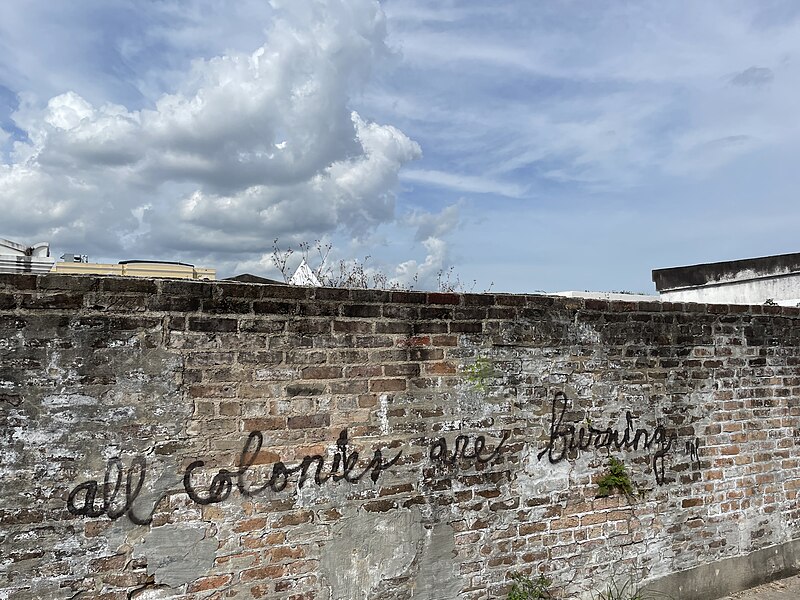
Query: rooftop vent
point(75, 258)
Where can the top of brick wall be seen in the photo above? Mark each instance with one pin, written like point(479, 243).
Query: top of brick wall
point(74, 292)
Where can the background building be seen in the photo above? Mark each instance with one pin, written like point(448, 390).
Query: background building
point(770, 279)
point(18, 258)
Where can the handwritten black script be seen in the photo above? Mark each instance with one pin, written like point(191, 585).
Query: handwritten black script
point(439, 451)
point(111, 498)
point(81, 500)
point(342, 466)
point(565, 438)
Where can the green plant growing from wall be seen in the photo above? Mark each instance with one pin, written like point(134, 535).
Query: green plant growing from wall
point(525, 588)
point(628, 591)
point(617, 479)
point(478, 372)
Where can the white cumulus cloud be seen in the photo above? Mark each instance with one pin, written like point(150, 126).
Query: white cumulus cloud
point(246, 147)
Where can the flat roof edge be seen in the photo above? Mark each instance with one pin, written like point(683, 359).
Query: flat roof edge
point(725, 271)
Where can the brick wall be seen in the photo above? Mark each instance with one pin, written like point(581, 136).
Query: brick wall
point(172, 439)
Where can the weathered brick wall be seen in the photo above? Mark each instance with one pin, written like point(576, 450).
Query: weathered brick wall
point(168, 439)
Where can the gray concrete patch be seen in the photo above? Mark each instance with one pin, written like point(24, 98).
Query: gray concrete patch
point(729, 576)
point(438, 572)
point(371, 551)
point(177, 554)
point(783, 589)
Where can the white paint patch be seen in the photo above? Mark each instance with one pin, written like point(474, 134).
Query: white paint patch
point(32, 437)
point(137, 375)
point(383, 418)
point(451, 425)
point(111, 451)
point(54, 371)
point(276, 374)
point(131, 342)
point(121, 413)
point(585, 333)
point(536, 481)
point(68, 400)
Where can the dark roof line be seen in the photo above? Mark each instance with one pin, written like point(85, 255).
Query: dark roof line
point(705, 273)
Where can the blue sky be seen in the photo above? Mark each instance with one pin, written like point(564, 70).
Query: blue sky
point(529, 145)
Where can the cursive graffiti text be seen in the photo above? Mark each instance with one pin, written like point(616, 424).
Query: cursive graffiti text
point(566, 438)
point(343, 467)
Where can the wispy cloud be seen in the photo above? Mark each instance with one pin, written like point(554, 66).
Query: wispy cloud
point(598, 95)
point(463, 183)
point(753, 77)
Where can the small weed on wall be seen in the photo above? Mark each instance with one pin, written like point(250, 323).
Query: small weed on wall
point(478, 372)
point(615, 480)
point(628, 591)
point(525, 588)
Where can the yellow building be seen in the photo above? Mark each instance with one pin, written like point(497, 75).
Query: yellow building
point(136, 268)
point(19, 258)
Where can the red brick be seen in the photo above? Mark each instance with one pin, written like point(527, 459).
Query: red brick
point(440, 298)
point(268, 572)
point(322, 372)
point(387, 385)
point(212, 582)
point(309, 421)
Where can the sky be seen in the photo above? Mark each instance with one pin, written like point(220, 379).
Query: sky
point(514, 146)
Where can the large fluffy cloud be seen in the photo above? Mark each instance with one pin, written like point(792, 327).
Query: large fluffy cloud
point(246, 147)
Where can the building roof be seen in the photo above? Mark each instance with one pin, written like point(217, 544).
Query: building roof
point(305, 276)
point(250, 278)
point(726, 271)
point(40, 249)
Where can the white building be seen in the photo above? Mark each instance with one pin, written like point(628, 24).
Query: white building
point(18, 258)
point(305, 276)
point(770, 279)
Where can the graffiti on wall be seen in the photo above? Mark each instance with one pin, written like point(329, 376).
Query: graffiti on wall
point(343, 467)
point(116, 495)
point(568, 440)
point(113, 499)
